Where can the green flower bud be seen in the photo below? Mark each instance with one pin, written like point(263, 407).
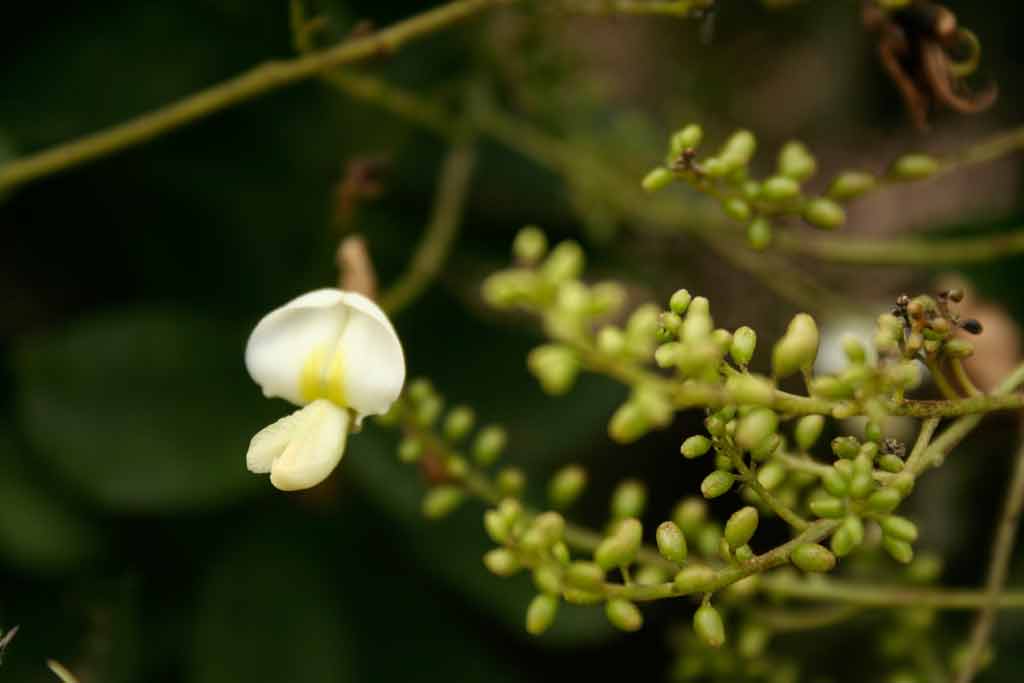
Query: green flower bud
point(899, 528)
point(850, 184)
point(629, 499)
point(743, 554)
point(587, 576)
point(650, 575)
point(555, 366)
point(739, 149)
point(548, 579)
point(628, 423)
point(723, 339)
point(566, 486)
point(688, 138)
point(410, 449)
point(550, 525)
point(497, 526)
point(771, 475)
point(441, 500)
point(560, 551)
point(565, 262)
point(744, 341)
point(737, 209)
point(902, 483)
point(846, 447)
point(458, 423)
point(848, 536)
point(708, 539)
point(489, 444)
point(798, 347)
point(883, 500)
point(755, 427)
point(611, 340)
point(501, 562)
point(511, 481)
point(741, 526)
point(671, 542)
point(716, 167)
point(925, 568)
point(750, 390)
point(827, 506)
point(689, 514)
point(958, 348)
point(716, 484)
point(669, 323)
point(779, 188)
point(796, 161)
point(630, 531)
point(752, 641)
point(914, 167)
point(623, 615)
point(530, 245)
point(891, 463)
point(830, 387)
point(901, 551)
point(836, 483)
point(824, 213)
point(428, 410)
point(695, 446)
point(680, 301)
point(759, 233)
point(812, 557)
point(657, 179)
point(541, 614)
point(707, 624)
point(696, 578)
point(807, 431)
point(861, 485)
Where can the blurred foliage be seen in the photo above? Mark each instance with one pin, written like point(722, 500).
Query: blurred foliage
point(133, 543)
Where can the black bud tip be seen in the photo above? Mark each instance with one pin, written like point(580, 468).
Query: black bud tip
point(971, 325)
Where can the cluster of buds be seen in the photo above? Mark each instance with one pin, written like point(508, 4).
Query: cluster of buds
point(925, 327)
point(759, 203)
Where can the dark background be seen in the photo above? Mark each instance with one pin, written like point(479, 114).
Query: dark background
point(134, 546)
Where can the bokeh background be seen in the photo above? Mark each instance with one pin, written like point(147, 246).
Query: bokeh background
point(134, 546)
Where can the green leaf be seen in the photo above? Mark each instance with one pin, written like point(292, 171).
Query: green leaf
point(143, 411)
point(40, 533)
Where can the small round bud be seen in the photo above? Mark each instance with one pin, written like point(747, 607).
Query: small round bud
point(586, 576)
point(511, 481)
point(680, 301)
point(707, 624)
point(901, 551)
point(798, 347)
point(899, 528)
point(796, 161)
point(750, 390)
point(696, 578)
point(743, 554)
point(458, 423)
point(671, 542)
point(565, 262)
point(848, 536)
point(441, 500)
point(914, 167)
point(695, 446)
point(807, 431)
point(555, 366)
point(812, 557)
point(689, 514)
point(779, 188)
point(501, 562)
point(716, 484)
point(629, 499)
point(550, 526)
point(541, 614)
point(623, 615)
point(497, 526)
point(767, 448)
point(883, 500)
point(958, 348)
point(548, 579)
point(566, 486)
point(759, 233)
point(827, 506)
point(489, 444)
point(846, 447)
point(744, 341)
point(755, 427)
point(741, 526)
point(891, 463)
point(628, 423)
point(656, 179)
point(530, 245)
point(862, 484)
point(410, 450)
point(739, 149)
point(851, 184)
point(687, 138)
point(737, 209)
point(824, 213)
point(771, 475)
point(611, 340)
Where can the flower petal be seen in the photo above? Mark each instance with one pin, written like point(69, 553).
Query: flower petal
point(317, 443)
point(291, 338)
point(373, 365)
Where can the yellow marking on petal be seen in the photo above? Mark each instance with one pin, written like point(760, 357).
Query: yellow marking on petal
point(312, 374)
point(335, 380)
point(318, 379)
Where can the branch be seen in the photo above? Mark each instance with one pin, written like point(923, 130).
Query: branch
point(257, 81)
point(867, 595)
point(911, 251)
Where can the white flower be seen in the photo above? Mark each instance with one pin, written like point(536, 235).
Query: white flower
point(335, 353)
